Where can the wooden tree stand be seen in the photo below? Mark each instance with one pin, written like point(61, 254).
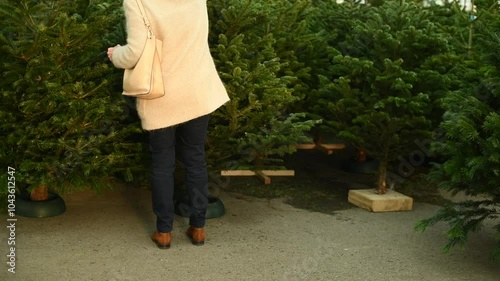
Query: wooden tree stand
point(392, 201)
point(263, 175)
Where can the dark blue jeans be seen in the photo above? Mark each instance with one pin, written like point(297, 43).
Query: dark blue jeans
point(189, 140)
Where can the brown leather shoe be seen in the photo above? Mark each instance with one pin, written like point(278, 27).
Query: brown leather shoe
point(162, 239)
point(197, 235)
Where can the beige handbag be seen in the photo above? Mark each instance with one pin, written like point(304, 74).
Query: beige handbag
point(145, 80)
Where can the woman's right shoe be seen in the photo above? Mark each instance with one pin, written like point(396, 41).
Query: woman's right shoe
point(162, 239)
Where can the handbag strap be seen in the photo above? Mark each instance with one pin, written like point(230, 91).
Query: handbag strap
point(145, 18)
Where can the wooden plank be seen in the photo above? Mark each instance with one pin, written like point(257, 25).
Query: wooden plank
point(263, 177)
point(306, 146)
point(237, 173)
point(324, 149)
point(253, 173)
point(327, 148)
point(286, 173)
point(333, 146)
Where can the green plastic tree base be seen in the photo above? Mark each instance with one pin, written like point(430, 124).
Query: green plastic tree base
point(215, 207)
point(40, 209)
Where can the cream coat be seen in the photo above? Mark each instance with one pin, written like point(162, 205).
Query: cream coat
point(192, 85)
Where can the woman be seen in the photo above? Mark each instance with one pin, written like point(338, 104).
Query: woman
point(180, 118)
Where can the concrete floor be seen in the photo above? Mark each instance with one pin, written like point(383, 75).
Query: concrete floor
point(107, 238)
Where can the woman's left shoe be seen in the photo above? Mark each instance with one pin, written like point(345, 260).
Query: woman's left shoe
point(197, 235)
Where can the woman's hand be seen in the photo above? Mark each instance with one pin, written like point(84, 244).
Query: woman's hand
point(111, 50)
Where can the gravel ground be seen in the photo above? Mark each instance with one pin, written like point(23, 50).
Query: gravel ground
point(107, 238)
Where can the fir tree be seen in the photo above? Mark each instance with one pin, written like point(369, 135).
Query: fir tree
point(63, 118)
point(250, 43)
point(386, 71)
point(469, 145)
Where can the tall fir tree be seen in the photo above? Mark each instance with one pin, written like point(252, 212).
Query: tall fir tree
point(469, 143)
point(63, 118)
point(388, 66)
point(254, 49)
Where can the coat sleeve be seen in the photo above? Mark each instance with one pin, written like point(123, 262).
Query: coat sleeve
point(127, 56)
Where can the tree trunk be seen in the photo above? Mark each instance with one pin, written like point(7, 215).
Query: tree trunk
point(382, 175)
point(360, 155)
point(40, 193)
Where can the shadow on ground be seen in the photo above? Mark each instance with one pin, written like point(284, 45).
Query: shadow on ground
point(322, 182)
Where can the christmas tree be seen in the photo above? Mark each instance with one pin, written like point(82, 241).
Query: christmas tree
point(256, 54)
point(388, 67)
point(469, 142)
point(63, 116)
